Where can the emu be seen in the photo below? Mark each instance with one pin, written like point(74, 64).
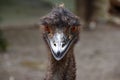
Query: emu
point(60, 32)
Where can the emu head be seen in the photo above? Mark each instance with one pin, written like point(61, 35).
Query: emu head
point(61, 31)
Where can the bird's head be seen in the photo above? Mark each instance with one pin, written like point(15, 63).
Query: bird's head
point(61, 31)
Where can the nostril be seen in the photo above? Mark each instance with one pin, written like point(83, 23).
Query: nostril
point(54, 44)
point(63, 44)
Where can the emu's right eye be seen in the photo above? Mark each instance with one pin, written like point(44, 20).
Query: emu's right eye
point(47, 29)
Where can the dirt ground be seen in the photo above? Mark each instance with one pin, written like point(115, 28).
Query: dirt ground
point(97, 54)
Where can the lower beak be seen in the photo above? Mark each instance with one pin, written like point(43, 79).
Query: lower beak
point(59, 46)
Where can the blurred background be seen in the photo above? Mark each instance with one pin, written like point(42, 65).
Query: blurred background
point(23, 54)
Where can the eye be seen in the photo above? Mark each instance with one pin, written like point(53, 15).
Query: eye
point(74, 28)
point(47, 29)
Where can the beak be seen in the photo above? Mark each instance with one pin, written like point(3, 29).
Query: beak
point(59, 45)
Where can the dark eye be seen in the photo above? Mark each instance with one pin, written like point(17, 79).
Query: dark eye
point(74, 29)
point(47, 29)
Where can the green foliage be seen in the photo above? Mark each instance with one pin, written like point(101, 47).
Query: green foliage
point(5, 2)
point(3, 42)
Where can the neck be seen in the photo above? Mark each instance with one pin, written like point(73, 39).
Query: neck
point(64, 69)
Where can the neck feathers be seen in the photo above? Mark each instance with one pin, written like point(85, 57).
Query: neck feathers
point(64, 69)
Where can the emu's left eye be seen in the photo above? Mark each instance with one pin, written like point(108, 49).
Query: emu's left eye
point(74, 28)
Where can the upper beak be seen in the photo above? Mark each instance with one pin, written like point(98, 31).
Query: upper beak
point(59, 45)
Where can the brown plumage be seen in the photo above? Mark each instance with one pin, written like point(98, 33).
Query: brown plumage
point(61, 31)
point(62, 70)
